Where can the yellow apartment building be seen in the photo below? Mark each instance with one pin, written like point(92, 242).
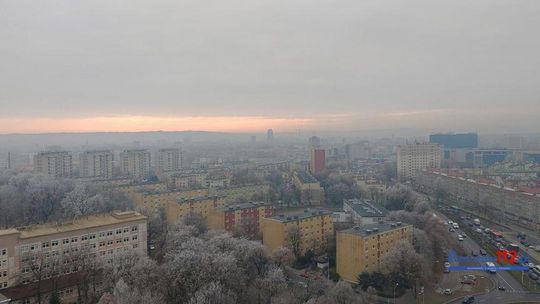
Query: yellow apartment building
point(56, 246)
point(360, 248)
point(311, 192)
point(300, 231)
point(201, 205)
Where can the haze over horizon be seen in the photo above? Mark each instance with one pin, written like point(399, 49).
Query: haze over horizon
point(246, 66)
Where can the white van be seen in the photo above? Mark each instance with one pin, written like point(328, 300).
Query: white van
point(490, 264)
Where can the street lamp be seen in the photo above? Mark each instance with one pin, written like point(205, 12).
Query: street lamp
point(395, 292)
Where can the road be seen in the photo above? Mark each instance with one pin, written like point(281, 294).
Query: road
point(514, 293)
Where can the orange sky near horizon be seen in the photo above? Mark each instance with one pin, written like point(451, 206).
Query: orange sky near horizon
point(150, 123)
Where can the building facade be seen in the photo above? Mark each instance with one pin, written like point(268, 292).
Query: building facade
point(317, 160)
point(418, 156)
point(300, 231)
point(57, 246)
point(168, 160)
point(135, 163)
point(360, 249)
point(311, 192)
point(448, 141)
point(54, 164)
point(96, 164)
point(244, 218)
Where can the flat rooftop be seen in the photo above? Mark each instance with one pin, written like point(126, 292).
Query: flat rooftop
point(300, 215)
point(249, 205)
point(306, 178)
point(374, 229)
point(365, 208)
point(91, 221)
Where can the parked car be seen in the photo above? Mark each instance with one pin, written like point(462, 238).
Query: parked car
point(533, 276)
point(446, 264)
point(483, 252)
point(448, 291)
point(501, 288)
point(468, 300)
point(451, 230)
point(537, 248)
point(474, 253)
point(460, 237)
point(446, 270)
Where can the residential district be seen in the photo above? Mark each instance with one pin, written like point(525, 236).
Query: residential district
point(309, 220)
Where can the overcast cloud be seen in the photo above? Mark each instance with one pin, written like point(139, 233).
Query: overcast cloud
point(446, 65)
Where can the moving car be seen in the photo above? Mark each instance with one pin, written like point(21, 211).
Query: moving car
point(490, 264)
point(446, 264)
point(501, 288)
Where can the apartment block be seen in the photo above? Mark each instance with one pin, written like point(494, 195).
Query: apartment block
point(360, 248)
point(96, 164)
point(135, 163)
point(311, 192)
point(418, 156)
point(54, 164)
point(244, 218)
point(168, 160)
point(199, 205)
point(299, 231)
point(364, 212)
point(56, 247)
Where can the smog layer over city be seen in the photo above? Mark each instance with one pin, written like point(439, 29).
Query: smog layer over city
point(269, 152)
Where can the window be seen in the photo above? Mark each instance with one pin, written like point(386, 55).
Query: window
point(92, 236)
point(126, 239)
point(134, 237)
point(54, 243)
point(24, 248)
point(118, 231)
point(109, 242)
point(45, 245)
point(3, 251)
point(65, 241)
point(4, 285)
point(102, 243)
point(135, 245)
point(74, 239)
point(134, 228)
point(109, 233)
point(102, 234)
point(84, 237)
point(118, 241)
point(126, 229)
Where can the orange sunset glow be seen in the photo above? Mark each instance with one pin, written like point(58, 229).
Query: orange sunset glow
point(149, 123)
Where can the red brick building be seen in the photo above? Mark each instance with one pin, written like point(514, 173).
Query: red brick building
point(244, 218)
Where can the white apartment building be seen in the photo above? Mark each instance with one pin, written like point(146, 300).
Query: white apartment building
point(54, 164)
point(96, 164)
point(135, 163)
point(417, 156)
point(168, 160)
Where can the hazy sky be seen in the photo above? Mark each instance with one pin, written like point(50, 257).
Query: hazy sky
point(105, 65)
